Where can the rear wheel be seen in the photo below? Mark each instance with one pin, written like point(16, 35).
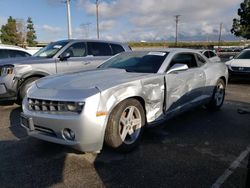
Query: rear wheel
point(218, 96)
point(125, 125)
point(24, 88)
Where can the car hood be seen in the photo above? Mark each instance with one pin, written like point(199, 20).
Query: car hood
point(101, 79)
point(239, 63)
point(23, 60)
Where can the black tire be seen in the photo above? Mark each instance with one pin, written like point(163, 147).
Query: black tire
point(24, 88)
point(218, 96)
point(116, 128)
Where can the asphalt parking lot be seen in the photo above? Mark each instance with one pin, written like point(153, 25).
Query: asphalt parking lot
point(197, 149)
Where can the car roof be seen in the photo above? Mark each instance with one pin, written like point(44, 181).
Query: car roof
point(171, 50)
point(12, 47)
point(89, 40)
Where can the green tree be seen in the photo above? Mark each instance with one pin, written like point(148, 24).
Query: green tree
point(9, 34)
point(241, 25)
point(31, 33)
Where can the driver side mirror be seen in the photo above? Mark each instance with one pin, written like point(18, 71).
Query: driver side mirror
point(64, 56)
point(177, 67)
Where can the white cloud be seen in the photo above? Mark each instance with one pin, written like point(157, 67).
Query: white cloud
point(155, 19)
point(51, 29)
point(107, 25)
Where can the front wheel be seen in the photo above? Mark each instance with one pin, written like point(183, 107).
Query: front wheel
point(218, 95)
point(125, 125)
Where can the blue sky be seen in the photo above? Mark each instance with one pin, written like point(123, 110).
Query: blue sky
point(126, 20)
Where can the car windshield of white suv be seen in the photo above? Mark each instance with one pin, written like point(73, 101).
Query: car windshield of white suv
point(144, 62)
point(51, 49)
point(244, 55)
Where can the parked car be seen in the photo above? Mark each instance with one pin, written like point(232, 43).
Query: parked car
point(126, 93)
point(212, 56)
point(239, 66)
point(63, 56)
point(9, 51)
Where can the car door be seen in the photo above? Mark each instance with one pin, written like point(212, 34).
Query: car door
point(184, 88)
point(77, 59)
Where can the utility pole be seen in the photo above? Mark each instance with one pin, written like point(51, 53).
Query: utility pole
point(219, 35)
point(176, 28)
point(97, 19)
point(69, 19)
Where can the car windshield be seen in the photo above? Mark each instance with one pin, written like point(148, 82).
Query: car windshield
point(244, 55)
point(145, 62)
point(51, 49)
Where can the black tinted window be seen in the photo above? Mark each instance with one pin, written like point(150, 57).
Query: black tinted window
point(117, 48)
point(99, 49)
point(211, 54)
point(145, 62)
point(244, 55)
point(77, 50)
point(16, 53)
point(206, 53)
point(3, 54)
point(188, 59)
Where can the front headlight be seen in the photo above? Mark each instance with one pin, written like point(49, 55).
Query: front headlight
point(75, 106)
point(6, 70)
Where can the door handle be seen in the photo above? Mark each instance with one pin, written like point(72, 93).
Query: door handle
point(86, 63)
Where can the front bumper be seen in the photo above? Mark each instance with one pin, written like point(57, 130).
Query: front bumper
point(238, 74)
point(8, 89)
point(88, 129)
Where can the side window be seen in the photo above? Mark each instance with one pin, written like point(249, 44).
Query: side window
point(184, 58)
point(200, 60)
point(99, 49)
point(77, 50)
point(3, 54)
point(17, 53)
point(206, 53)
point(211, 54)
point(117, 48)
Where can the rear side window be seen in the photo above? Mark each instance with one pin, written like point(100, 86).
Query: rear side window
point(99, 49)
point(3, 54)
point(211, 54)
point(206, 53)
point(188, 59)
point(117, 48)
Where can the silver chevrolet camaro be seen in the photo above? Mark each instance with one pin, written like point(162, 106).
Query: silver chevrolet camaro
point(114, 103)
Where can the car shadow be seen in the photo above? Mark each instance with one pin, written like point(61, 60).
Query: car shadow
point(243, 81)
point(248, 172)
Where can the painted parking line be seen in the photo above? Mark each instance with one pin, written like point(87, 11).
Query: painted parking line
point(234, 165)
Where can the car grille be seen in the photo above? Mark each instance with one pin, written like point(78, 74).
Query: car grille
point(241, 69)
point(51, 106)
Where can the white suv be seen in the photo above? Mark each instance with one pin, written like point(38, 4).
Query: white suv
point(9, 51)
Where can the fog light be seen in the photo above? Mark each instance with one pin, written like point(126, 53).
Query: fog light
point(68, 134)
